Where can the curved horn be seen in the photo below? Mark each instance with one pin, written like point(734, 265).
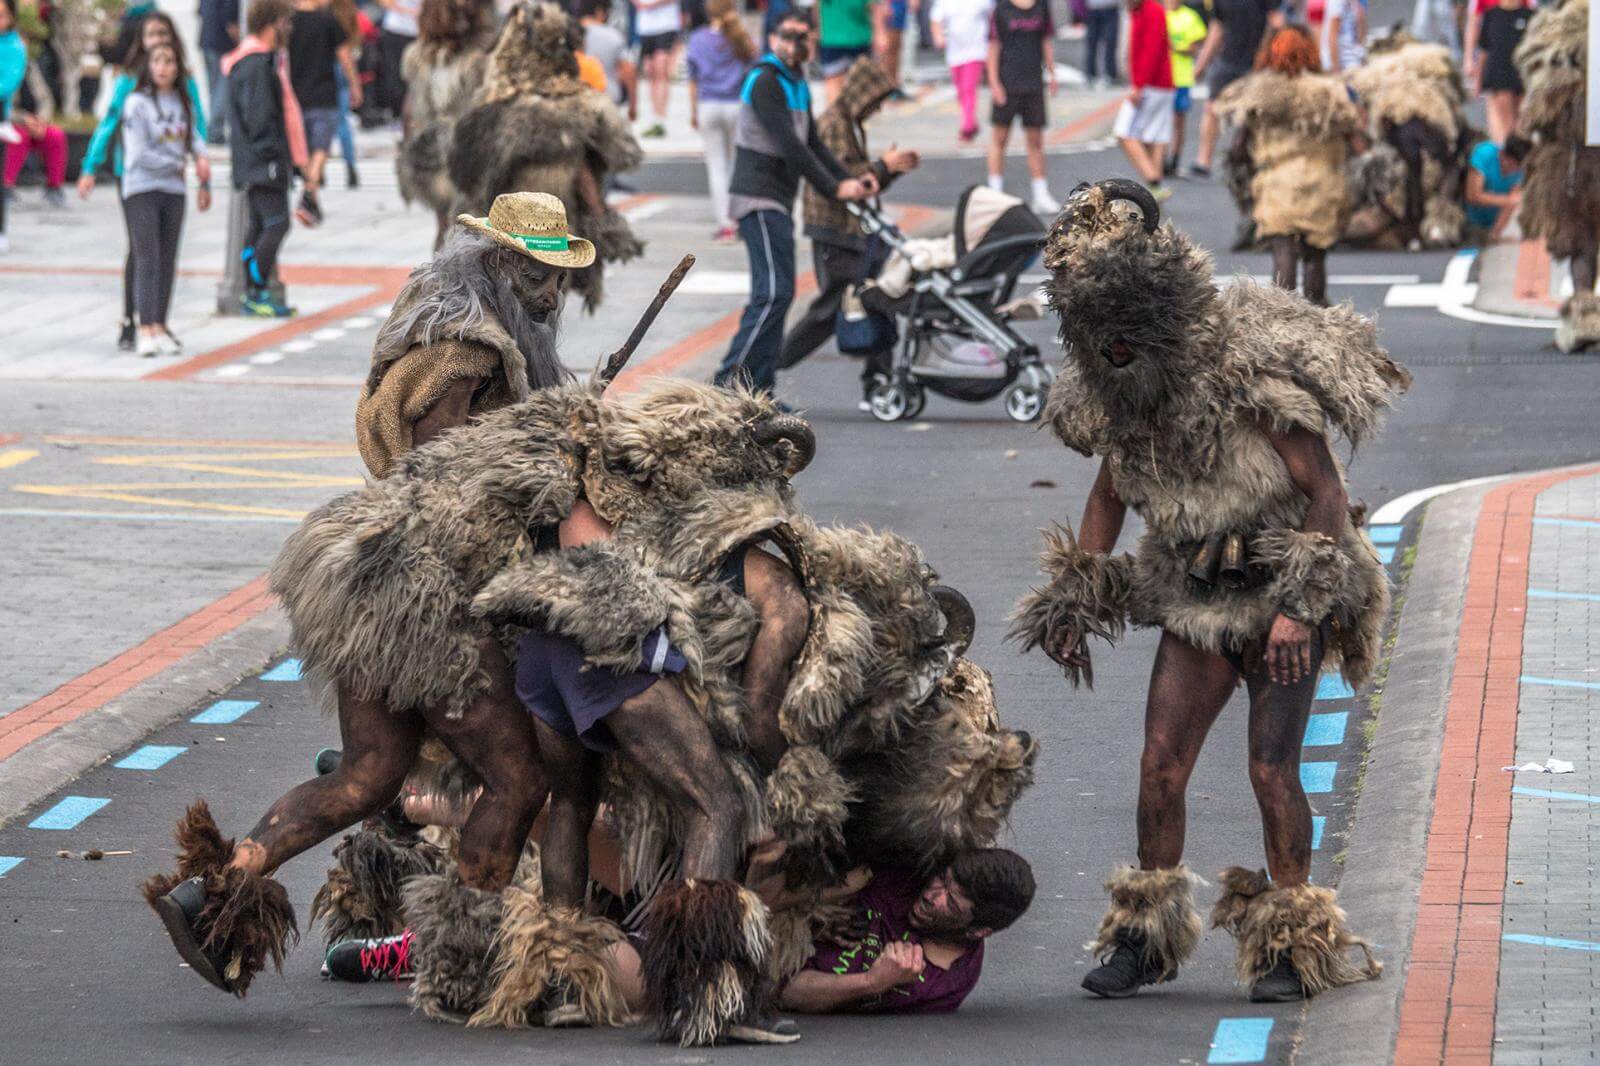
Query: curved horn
point(960, 620)
point(1119, 189)
point(793, 429)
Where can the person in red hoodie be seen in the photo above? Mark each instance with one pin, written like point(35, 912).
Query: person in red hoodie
point(1144, 124)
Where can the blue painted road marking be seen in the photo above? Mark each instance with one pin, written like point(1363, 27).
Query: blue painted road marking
point(224, 711)
point(68, 813)
point(1317, 776)
point(9, 863)
point(1551, 942)
point(1386, 554)
point(1552, 594)
point(1240, 1040)
point(1317, 824)
point(1556, 682)
point(1385, 534)
point(1324, 729)
point(1576, 523)
point(1333, 687)
point(150, 757)
point(1541, 793)
point(288, 670)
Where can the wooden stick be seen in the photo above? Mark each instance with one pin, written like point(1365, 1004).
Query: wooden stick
point(608, 371)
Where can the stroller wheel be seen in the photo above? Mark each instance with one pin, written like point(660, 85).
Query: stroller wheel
point(1024, 401)
point(891, 401)
point(916, 400)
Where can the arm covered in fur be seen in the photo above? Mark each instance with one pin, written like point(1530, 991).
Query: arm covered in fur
point(1308, 572)
point(600, 595)
point(1088, 591)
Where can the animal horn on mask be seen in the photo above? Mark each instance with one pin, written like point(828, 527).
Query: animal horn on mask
point(1114, 189)
point(960, 620)
point(795, 430)
point(606, 372)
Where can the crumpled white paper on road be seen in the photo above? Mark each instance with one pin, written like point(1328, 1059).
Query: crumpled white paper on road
point(1551, 766)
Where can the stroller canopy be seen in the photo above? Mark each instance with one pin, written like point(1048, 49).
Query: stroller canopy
point(983, 214)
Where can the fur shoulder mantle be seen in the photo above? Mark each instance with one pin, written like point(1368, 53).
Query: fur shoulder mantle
point(391, 346)
point(1414, 81)
point(1310, 105)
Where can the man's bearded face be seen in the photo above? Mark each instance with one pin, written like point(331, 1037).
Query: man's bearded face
point(944, 910)
point(538, 287)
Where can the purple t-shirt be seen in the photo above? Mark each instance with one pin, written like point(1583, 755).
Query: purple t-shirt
point(887, 901)
point(712, 65)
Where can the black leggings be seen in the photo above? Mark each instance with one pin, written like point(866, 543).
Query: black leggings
point(1289, 253)
point(269, 223)
point(127, 266)
point(155, 222)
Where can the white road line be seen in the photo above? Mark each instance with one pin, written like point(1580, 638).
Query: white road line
point(266, 358)
point(299, 346)
point(232, 370)
point(648, 210)
point(1395, 511)
point(332, 333)
point(359, 322)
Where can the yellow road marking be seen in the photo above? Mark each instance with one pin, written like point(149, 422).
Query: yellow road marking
point(325, 447)
point(129, 497)
point(16, 457)
point(183, 486)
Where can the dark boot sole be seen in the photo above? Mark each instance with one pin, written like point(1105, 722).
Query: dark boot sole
point(182, 935)
point(1277, 997)
point(1112, 993)
point(744, 1034)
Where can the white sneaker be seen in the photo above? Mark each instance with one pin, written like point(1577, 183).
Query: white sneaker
point(9, 134)
point(5, 244)
point(1042, 203)
point(165, 345)
point(147, 346)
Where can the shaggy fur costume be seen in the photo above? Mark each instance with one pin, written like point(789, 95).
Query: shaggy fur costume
point(1297, 129)
point(247, 920)
point(455, 931)
point(1302, 921)
point(1090, 592)
point(538, 946)
point(1180, 425)
point(534, 125)
point(442, 78)
point(704, 948)
point(1158, 906)
point(361, 898)
point(1580, 323)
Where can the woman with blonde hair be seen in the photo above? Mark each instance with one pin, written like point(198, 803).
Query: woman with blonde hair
point(718, 56)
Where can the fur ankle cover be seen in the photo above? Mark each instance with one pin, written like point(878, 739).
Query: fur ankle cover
point(1580, 323)
point(247, 919)
point(1303, 921)
point(704, 958)
point(1309, 572)
point(538, 945)
point(361, 898)
point(1159, 906)
point(1088, 591)
point(454, 931)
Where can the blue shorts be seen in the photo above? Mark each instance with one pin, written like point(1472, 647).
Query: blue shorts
point(898, 10)
point(835, 61)
point(558, 688)
point(1180, 100)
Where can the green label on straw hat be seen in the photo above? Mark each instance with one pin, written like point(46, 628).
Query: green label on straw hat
point(543, 244)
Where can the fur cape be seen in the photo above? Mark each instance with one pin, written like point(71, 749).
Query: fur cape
point(1561, 193)
point(440, 86)
point(533, 126)
point(1297, 129)
point(1180, 428)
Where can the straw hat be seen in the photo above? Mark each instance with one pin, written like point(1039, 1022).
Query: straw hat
point(535, 224)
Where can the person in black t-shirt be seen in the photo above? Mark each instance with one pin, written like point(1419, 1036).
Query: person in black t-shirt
point(1237, 28)
point(1499, 33)
point(1021, 63)
point(316, 43)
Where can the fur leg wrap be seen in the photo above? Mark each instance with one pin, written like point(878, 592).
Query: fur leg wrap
point(1088, 591)
point(1158, 906)
point(247, 921)
point(808, 802)
point(361, 897)
point(1303, 921)
point(541, 945)
point(454, 931)
point(1309, 572)
point(705, 953)
point(1580, 323)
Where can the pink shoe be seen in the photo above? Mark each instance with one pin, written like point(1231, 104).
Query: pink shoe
point(725, 235)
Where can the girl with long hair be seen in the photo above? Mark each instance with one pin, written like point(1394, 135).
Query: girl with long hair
point(1296, 128)
point(159, 135)
point(156, 29)
point(719, 53)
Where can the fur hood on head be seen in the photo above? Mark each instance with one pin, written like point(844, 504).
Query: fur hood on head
point(536, 53)
point(1315, 106)
point(1117, 287)
point(1412, 81)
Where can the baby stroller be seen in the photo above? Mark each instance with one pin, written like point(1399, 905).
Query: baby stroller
point(956, 335)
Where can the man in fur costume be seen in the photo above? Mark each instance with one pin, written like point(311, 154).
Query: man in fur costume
point(1561, 194)
point(1409, 185)
point(1214, 412)
point(473, 330)
point(1295, 125)
point(442, 70)
point(535, 126)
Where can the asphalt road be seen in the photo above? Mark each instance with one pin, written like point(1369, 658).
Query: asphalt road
point(87, 975)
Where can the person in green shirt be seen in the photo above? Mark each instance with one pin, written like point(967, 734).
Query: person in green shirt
point(844, 37)
point(1185, 30)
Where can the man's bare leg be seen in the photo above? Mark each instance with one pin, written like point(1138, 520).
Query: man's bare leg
point(1278, 715)
point(773, 590)
point(574, 774)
